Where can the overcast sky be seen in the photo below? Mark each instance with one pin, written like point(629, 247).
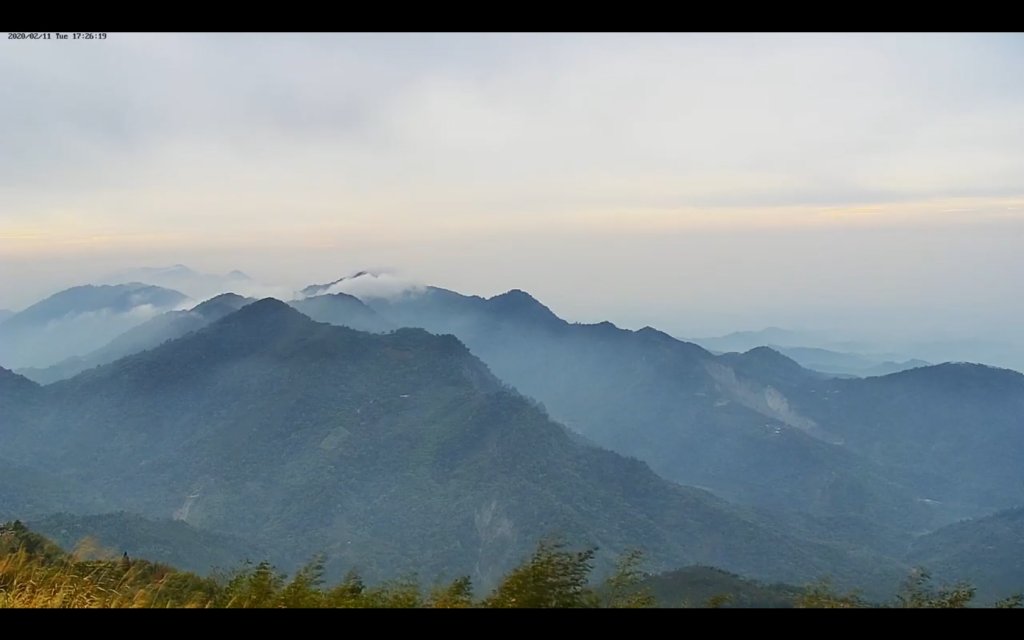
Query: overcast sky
point(697, 183)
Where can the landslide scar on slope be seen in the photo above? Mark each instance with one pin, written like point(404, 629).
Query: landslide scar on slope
point(766, 400)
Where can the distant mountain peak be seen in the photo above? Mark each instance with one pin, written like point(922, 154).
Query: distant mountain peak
point(765, 352)
point(335, 301)
point(652, 333)
point(268, 307)
point(223, 297)
point(342, 296)
point(769, 356)
point(515, 294)
point(219, 306)
point(262, 321)
point(262, 312)
point(768, 365)
point(519, 303)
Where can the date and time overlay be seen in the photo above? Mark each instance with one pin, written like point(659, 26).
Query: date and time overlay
point(56, 35)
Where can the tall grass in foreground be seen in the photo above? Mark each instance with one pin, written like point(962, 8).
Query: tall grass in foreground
point(25, 581)
point(35, 573)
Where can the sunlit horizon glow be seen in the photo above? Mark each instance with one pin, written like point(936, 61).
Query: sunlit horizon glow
point(700, 183)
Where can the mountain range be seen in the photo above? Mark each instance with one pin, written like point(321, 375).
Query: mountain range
point(436, 432)
point(754, 427)
point(828, 352)
point(848, 364)
point(338, 308)
point(390, 453)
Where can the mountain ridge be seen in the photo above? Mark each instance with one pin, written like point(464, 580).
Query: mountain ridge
point(755, 427)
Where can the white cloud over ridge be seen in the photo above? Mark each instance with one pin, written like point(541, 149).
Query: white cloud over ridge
point(376, 285)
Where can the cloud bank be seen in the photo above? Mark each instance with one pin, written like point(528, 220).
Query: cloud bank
point(707, 182)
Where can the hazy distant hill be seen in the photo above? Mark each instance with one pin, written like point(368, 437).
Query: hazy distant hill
point(149, 334)
point(397, 452)
point(804, 348)
point(179, 277)
point(4, 314)
point(78, 320)
point(113, 299)
point(771, 336)
point(987, 552)
point(837, 362)
point(828, 352)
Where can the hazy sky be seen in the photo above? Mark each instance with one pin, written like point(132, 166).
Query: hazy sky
point(698, 183)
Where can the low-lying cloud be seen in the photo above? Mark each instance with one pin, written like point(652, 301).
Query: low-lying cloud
point(376, 285)
point(75, 333)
